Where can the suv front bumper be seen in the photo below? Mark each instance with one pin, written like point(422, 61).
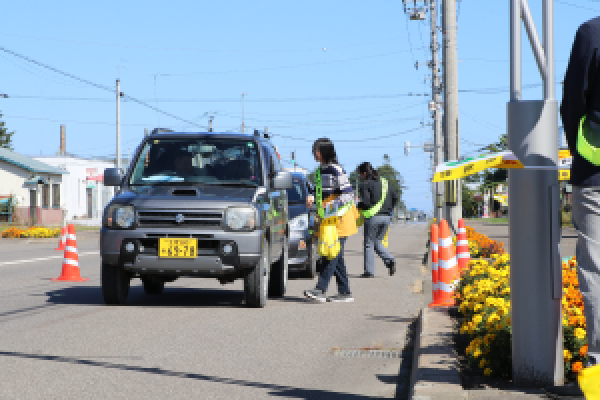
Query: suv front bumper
point(210, 261)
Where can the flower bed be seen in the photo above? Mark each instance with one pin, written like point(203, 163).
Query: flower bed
point(483, 299)
point(31, 232)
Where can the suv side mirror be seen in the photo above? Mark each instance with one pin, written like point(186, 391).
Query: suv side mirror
point(113, 176)
point(282, 181)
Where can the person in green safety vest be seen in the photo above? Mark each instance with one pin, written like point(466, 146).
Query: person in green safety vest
point(580, 114)
point(334, 197)
point(376, 205)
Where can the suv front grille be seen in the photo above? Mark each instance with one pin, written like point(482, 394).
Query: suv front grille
point(169, 218)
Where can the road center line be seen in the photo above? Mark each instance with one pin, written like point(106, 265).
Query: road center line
point(30, 260)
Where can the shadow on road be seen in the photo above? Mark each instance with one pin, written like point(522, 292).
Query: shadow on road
point(275, 390)
point(171, 297)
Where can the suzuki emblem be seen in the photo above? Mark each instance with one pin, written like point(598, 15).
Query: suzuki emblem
point(179, 218)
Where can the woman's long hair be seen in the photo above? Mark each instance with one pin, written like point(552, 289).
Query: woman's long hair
point(368, 168)
point(326, 149)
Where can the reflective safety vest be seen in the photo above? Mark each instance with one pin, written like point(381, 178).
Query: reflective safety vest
point(587, 151)
point(331, 210)
point(375, 209)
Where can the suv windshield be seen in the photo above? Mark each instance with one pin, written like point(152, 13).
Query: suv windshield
point(296, 193)
point(209, 161)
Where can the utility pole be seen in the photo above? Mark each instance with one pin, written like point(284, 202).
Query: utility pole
point(210, 126)
point(436, 90)
point(118, 124)
point(453, 188)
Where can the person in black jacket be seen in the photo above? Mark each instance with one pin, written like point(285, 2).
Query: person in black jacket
point(581, 98)
point(377, 225)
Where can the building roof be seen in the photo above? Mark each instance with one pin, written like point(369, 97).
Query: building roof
point(29, 163)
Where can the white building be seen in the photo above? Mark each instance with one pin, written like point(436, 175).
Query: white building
point(83, 193)
point(30, 189)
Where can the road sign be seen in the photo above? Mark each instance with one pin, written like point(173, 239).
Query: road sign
point(564, 160)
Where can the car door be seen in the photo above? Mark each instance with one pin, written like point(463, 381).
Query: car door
point(273, 209)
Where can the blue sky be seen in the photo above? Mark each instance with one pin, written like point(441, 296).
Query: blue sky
point(340, 69)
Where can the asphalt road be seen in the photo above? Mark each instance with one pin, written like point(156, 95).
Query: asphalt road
point(197, 340)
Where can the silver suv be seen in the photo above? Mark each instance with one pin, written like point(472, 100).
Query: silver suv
point(208, 205)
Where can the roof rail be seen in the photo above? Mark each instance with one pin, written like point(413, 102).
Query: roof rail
point(257, 133)
point(157, 130)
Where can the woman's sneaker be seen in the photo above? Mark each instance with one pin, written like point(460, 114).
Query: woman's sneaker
point(316, 294)
point(341, 298)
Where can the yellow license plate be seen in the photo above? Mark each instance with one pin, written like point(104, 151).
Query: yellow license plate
point(177, 248)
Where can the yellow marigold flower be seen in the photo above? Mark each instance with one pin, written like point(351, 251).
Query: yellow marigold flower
point(477, 353)
point(477, 319)
point(487, 372)
point(482, 363)
point(567, 355)
point(580, 333)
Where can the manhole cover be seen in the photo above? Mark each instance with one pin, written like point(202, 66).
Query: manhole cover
point(366, 353)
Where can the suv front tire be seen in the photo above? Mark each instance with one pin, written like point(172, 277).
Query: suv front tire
point(256, 282)
point(115, 284)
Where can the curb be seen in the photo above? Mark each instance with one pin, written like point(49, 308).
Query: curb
point(435, 373)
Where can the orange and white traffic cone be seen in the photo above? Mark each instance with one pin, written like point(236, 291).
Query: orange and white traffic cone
point(63, 238)
point(70, 265)
point(433, 246)
point(447, 267)
point(462, 247)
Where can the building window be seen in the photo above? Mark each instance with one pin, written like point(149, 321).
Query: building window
point(56, 195)
point(45, 196)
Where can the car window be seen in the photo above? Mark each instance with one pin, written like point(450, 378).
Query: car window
point(296, 194)
point(197, 161)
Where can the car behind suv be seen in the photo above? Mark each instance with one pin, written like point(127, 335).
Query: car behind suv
point(208, 205)
point(303, 247)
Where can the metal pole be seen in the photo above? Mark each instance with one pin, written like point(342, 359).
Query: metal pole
point(243, 127)
point(515, 50)
point(535, 274)
point(436, 90)
point(548, 37)
point(118, 124)
point(453, 188)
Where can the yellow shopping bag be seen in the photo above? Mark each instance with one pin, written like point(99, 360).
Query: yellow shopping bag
point(589, 382)
point(385, 238)
point(329, 243)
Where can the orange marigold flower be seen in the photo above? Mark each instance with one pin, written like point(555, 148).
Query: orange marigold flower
point(577, 366)
point(583, 350)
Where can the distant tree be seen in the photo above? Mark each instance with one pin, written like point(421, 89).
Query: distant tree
point(5, 136)
point(469, 205)
point(395, 179)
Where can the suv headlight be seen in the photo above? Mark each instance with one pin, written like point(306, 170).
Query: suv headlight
point(240, 218)
point(120, 216)
point(300, 223)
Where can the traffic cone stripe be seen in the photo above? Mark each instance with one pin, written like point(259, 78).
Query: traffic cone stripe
point(434, 246)
point(71, 249)
point(445, 242)
point(71, 262)
point(446, 287)
point(447, 264)
point(464, 255)
point(434, 266)
point(462, 243)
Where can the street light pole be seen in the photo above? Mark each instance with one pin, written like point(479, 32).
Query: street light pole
point(118, 124)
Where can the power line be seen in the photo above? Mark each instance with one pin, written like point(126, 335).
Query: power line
point(98, 86)
point(351, 140)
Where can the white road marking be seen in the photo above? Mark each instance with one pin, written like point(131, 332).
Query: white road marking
point(30, 260)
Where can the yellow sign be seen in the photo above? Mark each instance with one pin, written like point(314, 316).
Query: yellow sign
point(453, 170)
point(502, 199)
point(564, 160)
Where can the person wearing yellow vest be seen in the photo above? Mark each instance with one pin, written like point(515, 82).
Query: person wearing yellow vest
point(334, 199)
point(580, 114)
point(376, 205)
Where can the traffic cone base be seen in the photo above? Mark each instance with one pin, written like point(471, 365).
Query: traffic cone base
point(70, 265)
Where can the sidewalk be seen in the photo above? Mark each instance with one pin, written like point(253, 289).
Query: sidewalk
point(435, 373)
